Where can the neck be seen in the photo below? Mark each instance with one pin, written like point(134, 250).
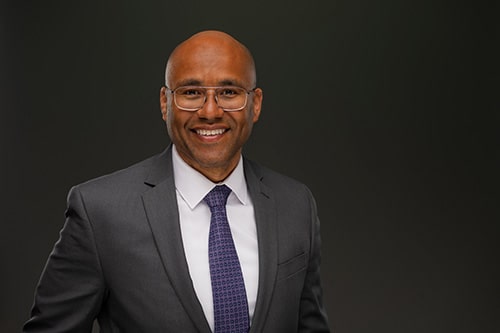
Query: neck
point(214, 170)
point(217, 175)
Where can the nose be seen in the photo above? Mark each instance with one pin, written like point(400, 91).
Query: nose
point(210, 109)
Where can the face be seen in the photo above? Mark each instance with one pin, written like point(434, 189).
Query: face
point(210, 140)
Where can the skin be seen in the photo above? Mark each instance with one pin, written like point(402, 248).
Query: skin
point(210, 58)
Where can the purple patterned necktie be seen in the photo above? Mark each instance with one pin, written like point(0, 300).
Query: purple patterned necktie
point(228, 288)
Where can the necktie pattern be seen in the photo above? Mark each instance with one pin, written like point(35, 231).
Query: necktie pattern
point(228, 288)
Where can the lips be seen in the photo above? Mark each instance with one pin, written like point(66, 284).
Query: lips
point(205, 132)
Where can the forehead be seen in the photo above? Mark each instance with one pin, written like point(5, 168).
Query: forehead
point(210, 62)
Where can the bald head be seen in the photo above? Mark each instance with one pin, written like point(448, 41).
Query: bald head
point(206, 51)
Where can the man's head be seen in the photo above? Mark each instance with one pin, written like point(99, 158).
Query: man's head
point(210, 139)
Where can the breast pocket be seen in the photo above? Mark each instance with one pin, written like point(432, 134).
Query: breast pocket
point(292, 266)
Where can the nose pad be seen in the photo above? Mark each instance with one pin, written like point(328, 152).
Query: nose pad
point(210, 109)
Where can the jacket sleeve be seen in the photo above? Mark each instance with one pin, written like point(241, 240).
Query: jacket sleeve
point(71, 288)
point(312, 316)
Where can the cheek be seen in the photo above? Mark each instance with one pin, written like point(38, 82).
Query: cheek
point(170, 121)
point(175, 122)
point(170, 116)
point(253, 112)
point(251, 118)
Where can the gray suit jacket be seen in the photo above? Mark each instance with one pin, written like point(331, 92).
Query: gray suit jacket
point(120, 257)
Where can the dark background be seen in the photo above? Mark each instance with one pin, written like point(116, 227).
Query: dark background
point(387, 110)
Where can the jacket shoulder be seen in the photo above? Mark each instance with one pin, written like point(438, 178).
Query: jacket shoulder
point(274, 179)
point(130, 178)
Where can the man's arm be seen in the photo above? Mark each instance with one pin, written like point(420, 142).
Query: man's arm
point(71, 289)
point(312, 316)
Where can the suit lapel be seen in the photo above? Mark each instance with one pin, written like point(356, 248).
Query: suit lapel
point(265, 216)
point(160, 203)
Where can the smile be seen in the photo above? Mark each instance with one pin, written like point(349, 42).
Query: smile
point(205, 132)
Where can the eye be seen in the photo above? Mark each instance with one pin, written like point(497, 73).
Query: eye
point(190, 91)
point(229, 91)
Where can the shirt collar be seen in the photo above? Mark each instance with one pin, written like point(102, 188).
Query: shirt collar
point(193, 186)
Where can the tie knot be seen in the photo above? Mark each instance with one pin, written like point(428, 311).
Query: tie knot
point(217, 196)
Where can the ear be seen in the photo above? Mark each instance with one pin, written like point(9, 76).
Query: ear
point(163, 103)
point(257, 103)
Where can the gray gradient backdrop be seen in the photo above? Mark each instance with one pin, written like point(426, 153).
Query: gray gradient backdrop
point(387, 109)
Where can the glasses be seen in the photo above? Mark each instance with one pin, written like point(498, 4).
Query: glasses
point(228, 98)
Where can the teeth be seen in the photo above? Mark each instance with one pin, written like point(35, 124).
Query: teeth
point(210, 132)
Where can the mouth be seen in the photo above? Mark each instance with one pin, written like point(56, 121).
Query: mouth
point(214, 132)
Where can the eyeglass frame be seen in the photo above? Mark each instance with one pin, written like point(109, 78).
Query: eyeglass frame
point(247, 92)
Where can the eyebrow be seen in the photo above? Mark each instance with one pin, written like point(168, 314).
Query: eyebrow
point(195, 82)
point(189, 82)
point(229, 82)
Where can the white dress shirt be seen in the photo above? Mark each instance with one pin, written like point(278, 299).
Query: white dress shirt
point(191, 188)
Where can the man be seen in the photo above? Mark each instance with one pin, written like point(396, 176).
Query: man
point(136, 251)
